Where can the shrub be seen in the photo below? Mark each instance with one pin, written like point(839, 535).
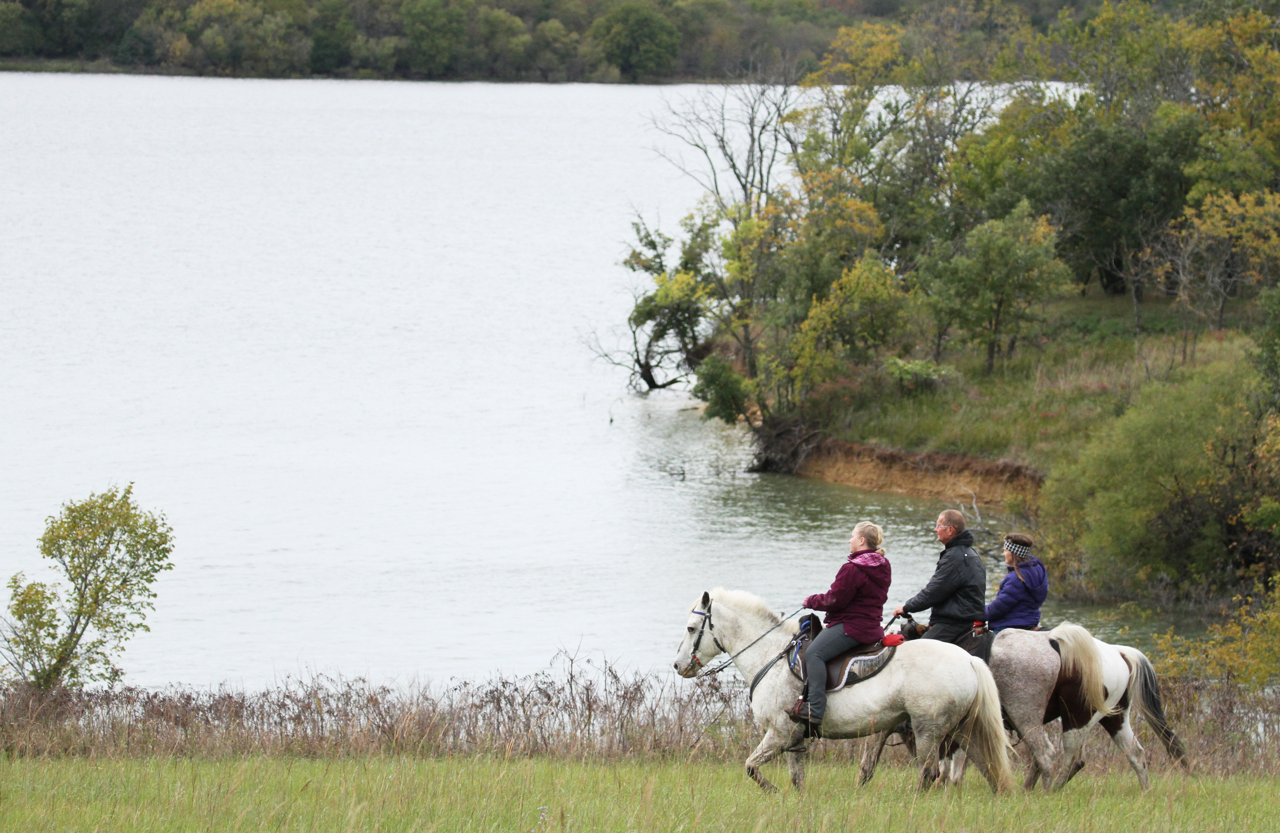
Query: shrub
point(1164, 495)
point(917, 376)
point(1245, 649)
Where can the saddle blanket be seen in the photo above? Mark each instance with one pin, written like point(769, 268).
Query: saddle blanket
point(847, 669)
point(862, 663)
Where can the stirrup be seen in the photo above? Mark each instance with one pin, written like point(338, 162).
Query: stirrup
point(799, 712)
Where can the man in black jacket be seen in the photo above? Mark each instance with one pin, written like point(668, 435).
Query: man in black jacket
point(956, 594)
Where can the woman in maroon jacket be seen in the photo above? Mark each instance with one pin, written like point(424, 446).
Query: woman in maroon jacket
point(854, 606)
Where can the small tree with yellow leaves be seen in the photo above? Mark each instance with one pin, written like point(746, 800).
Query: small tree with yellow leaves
point(110, 553)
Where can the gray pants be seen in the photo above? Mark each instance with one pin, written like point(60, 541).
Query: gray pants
point(828, 644)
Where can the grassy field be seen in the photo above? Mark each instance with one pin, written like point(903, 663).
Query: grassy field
point(400, 794)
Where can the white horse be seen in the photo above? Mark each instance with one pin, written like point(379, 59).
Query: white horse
point(946, 693)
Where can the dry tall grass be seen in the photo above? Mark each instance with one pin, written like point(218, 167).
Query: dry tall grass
point(580, 711)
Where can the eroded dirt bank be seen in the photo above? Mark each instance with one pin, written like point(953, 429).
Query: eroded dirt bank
point(930, 474)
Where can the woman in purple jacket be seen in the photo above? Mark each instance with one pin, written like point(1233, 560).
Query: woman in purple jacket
point(1017, 604)
point(854, 606)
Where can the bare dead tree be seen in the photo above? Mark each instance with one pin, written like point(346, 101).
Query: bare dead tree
point(734, 135)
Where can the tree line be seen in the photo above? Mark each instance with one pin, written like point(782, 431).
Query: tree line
point(889, 235)
point(527, 40)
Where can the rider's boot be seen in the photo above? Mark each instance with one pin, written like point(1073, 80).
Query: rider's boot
point(799, 712)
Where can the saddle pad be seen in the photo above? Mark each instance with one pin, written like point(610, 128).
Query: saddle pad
point(847, 669)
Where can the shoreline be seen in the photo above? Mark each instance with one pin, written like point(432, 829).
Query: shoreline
point(940, 475)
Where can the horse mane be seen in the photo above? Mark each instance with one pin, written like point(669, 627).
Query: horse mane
point(750, 603)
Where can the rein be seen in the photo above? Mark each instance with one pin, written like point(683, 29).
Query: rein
point(708, 625)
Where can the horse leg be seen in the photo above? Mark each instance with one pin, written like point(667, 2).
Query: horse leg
point(954, 775)
point(928, 742)
point(1024, 710)
point(1117, 725)
point(796, 756)
point(1071, 761)
point(871, 755)
point(769, 747)
point(1037, 740)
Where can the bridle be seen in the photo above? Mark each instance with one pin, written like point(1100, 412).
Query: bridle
point(707, 624)
point(702, 630)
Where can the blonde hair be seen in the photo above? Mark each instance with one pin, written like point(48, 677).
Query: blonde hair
point(873, 535)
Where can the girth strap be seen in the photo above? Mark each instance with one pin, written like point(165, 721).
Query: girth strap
point(755, 681)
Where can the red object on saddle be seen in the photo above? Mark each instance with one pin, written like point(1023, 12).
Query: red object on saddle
point(891, 639)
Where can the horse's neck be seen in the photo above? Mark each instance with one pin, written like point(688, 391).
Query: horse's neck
point(741, 630)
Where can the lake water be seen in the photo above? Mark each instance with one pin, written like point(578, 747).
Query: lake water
point(334, 331)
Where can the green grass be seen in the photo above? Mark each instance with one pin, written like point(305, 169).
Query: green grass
point(390, 794)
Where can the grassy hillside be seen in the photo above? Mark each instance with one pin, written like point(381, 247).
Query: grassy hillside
point(1042, 405)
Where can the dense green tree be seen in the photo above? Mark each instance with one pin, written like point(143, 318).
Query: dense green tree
point(436, 30)
point(19, 30)
point(333, 33)
point(552, 50)
point(241, 38)
point(501, 45)
point(90, 28)
point(637, 39)
point(1003, 269)
point(1115, 186)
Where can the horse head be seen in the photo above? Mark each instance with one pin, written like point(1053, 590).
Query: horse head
point(699, 646)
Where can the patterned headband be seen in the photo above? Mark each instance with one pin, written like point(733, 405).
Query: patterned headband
point(1019, 550)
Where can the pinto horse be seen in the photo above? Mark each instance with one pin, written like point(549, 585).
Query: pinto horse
point(947, 694)
point(1129, 681)
point(1067, 674)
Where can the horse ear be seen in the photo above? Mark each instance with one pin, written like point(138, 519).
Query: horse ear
point(706, 600)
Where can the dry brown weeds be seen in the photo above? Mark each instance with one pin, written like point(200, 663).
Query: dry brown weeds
point(579, 711)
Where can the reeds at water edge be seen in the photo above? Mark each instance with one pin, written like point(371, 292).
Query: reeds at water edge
point(575, 711)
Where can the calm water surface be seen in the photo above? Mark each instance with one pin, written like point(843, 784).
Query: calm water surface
point(334, 331)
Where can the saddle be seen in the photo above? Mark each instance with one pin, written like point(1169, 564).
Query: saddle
point(977, 641)
point(853, 666)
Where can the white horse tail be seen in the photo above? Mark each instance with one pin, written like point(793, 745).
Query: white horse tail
point(1144, 691)
point(985, 738)
point(1080, 658)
